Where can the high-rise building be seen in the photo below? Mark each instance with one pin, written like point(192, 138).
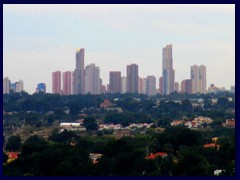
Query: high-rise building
point(78, 74)
point(6, 85)
point(41, 87)
point(56, 82)
point(20, 86)
point(17, 86)
point(123, 84)
point(186, 86)
point(176, 86)
point(115, 81)
point(67, 82)
point(132, 78)
point(142, 85)
point(198, 77)
point(104, 89)
point(167, 70)
point(92, 79)
point(151, 85)
point(13, 87)
point(161, 85)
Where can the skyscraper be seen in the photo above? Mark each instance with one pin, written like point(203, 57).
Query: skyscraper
point(56, 82)
point(20, 87)
point(6, 85)
point(132, 78)
point(167, 70)
point(123, 84)
point(186, 86)
point(41, 87)
point(198, 77)
point(92, 79)
point(115, 81)
point(142, 85)
point(176, 86)
point(151, 85)
point(160, 85)
point(67, 82)
point(78, 74)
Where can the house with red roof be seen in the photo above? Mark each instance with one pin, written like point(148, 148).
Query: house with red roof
point(158, 154)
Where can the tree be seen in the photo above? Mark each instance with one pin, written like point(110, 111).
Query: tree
point(90, 123)
point(5, 158)
point(191, 163)
point(13, 143)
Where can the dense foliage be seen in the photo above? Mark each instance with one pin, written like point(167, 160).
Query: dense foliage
point(68, 154)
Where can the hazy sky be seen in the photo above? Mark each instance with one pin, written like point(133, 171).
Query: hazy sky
point(40, 39)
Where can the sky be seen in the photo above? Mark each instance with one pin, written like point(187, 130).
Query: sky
point(41, 39)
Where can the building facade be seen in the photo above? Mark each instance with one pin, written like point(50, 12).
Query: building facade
point(198, 77)
point(41, 87)
point(114, 81)
point(160, 85)
point(123, 84)
point(79, 74)
point(56, 82)
point(67, 82)
point(92, 79)
point(186, 86)
point(6, 85)
point(151, 85)
point(168, 72)
point(142, 85)
point(132, 78)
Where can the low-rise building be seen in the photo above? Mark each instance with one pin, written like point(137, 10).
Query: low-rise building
point(106, 104)
point(230, 123)
point(158, 154)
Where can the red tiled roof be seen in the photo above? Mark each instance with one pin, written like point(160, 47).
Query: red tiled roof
point(211, 145)
point(13, 155)
point(153, 156)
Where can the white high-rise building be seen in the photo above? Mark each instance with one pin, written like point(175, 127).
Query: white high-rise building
point(92, 79)
point(168, 72)
point(123, 84)
point(6, 85)
point(151, 85)
point(198, 77)
point(78, 73)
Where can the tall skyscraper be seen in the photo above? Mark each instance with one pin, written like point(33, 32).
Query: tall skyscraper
point(115, 81)
point(132, 78)
point(6, 85)
point(41, 87)
point(67, 82)
point(198, 77)
point(151, 85)
point(123, 84)
point(167, 70)
point(56, 82)
point(78, 74)
point(186, 86)
point(92, 79)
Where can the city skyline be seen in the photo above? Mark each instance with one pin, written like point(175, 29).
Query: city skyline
point(33, 48)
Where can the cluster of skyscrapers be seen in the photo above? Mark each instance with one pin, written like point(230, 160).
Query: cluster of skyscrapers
point(14, 87)
point(86, 79)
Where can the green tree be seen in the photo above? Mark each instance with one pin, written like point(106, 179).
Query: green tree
point(13, 143)
point(90, 123)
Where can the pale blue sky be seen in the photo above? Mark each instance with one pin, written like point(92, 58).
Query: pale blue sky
point(40, 39)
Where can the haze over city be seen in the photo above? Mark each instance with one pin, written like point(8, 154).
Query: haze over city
point(41, 39)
